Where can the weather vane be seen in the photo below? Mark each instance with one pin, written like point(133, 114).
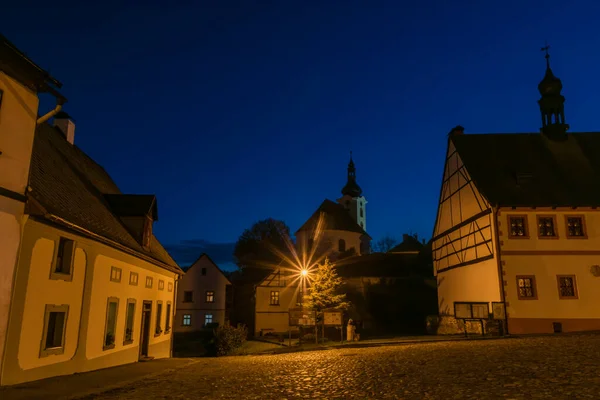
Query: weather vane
point(547, 56)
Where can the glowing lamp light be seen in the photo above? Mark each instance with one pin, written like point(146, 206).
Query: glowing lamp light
point(304, 272)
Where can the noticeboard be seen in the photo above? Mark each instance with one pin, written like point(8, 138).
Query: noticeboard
point(302, 317)
point(474, 310)
point(332, 318)
point(462, 311)
point(498, 310)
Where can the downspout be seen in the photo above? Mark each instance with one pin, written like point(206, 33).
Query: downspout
point(59, 103)
point(500, 276)
point(173, 313)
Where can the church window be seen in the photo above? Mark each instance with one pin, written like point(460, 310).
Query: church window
point(342, 245)
point(361, 212)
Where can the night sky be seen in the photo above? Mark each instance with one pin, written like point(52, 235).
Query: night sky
point(231, 112)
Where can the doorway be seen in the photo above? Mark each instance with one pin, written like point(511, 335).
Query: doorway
point(145, 329)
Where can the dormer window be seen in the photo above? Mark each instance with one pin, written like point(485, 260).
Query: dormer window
point(137, 213)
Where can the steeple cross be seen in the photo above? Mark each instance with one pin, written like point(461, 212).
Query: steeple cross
point(547, 56)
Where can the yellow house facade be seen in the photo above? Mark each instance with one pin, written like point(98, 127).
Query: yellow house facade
point(87, 284)
point(517, 223)
point(275, 295)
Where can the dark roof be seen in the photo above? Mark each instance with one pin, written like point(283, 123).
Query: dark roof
point(528, 169)
point(211, 261)
point(70, 185)
point(336, 218)
point(377, 265)
point(133, 205)
point(409, 243)
point(17, 65)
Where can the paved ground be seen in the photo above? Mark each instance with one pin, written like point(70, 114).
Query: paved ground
point(552, 367)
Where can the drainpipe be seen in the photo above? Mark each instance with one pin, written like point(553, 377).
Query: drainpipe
point(60, 100)
point(500, 276)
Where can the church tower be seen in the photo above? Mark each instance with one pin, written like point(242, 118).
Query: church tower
point(353, 200)
point(552, 104)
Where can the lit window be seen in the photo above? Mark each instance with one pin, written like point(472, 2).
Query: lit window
point(518, 226)
point(55, 324)
point(274, 298)
point(566, 287)
point(208, 319)
point(115, 274)
point(526, 287)
point(129, 319)
point(111, 323)
point(546, 227)
point(133, 278)
point(575, 227)
point(187, 320)
point(210, 296)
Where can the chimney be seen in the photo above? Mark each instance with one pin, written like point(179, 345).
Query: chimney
point(405, 237)
point(457, 130)
point(65, 123)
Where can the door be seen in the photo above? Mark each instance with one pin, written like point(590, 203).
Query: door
point(145, 331)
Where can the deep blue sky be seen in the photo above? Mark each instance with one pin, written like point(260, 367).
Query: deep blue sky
point(232, 112)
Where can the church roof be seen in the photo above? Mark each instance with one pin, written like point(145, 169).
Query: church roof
point(336, 218)
point(69, 185)
point(378, 265)
point(528, 169)
point(409, 244)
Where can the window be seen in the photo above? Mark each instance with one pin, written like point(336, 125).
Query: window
point(203, 271)
point(208, 319)
point(112, 308)
point(274, 298)
point(170, 286)
point(546, 227)
point(129, 319)
point(575, 227)
point(567, 287)
point(341, 245)
point(210, 296)
point(149, 282)
point(161, 285)
point(518, 226)
point(168, 318)
point(115, 274)
point(133, 278)
point(157, 327)
point(361, 212)
point(55, 324)
point(526, 287)
point(187, 320)
point(63, 265)
point(188, 297)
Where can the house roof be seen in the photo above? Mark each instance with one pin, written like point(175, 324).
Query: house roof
point(70, 185)
point(336, 218)
point(528, 169)
point(204, 255)
point(133, 205)
point(409, 244)
point(20, 67)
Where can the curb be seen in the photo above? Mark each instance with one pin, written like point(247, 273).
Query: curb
point(95, 392)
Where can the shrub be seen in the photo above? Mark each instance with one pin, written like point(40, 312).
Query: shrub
point(229, 338)
point(308, 338)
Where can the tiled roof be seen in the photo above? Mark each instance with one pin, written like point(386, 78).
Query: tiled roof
point(336, 218)
point(71, 186)
point(133, 205)
point(377, 265)
point(528, 169)
point(410, 243)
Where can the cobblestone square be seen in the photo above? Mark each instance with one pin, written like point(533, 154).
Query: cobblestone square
point(557, 367)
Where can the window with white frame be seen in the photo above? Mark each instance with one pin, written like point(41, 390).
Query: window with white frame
point(110, 328)
point(63, 263)
point(157, 327)
point(149, 281)
point(133, 278)
point(115, 274)
point(55, 325)
point(187, 320)
point(208, 319)
point(129, 320)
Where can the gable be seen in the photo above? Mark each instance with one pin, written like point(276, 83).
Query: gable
point(204, 261)
point(336, 217)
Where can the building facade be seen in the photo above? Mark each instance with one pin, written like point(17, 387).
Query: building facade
point(204, 296)
point(85, 284)
point(517, 223)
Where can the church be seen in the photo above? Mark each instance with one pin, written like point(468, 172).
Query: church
point(375, 283)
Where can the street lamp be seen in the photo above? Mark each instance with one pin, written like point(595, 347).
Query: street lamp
point(304, 272)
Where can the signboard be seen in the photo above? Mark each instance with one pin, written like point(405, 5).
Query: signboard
point(475, 310)
point(302, 317)
point(498, 310)
point(332, 318)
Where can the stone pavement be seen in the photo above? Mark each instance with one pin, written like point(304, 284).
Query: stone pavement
point(545, 367)
point(87, 383)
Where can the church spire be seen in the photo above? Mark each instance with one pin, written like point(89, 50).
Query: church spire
point(352, 189)
point(552, 103)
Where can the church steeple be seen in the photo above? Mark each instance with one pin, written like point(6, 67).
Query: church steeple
point(552, 104)
point(351, 189)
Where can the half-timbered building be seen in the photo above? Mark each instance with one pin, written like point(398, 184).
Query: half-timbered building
point(518, 223)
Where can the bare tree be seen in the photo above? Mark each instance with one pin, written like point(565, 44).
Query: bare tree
point(384, 244)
